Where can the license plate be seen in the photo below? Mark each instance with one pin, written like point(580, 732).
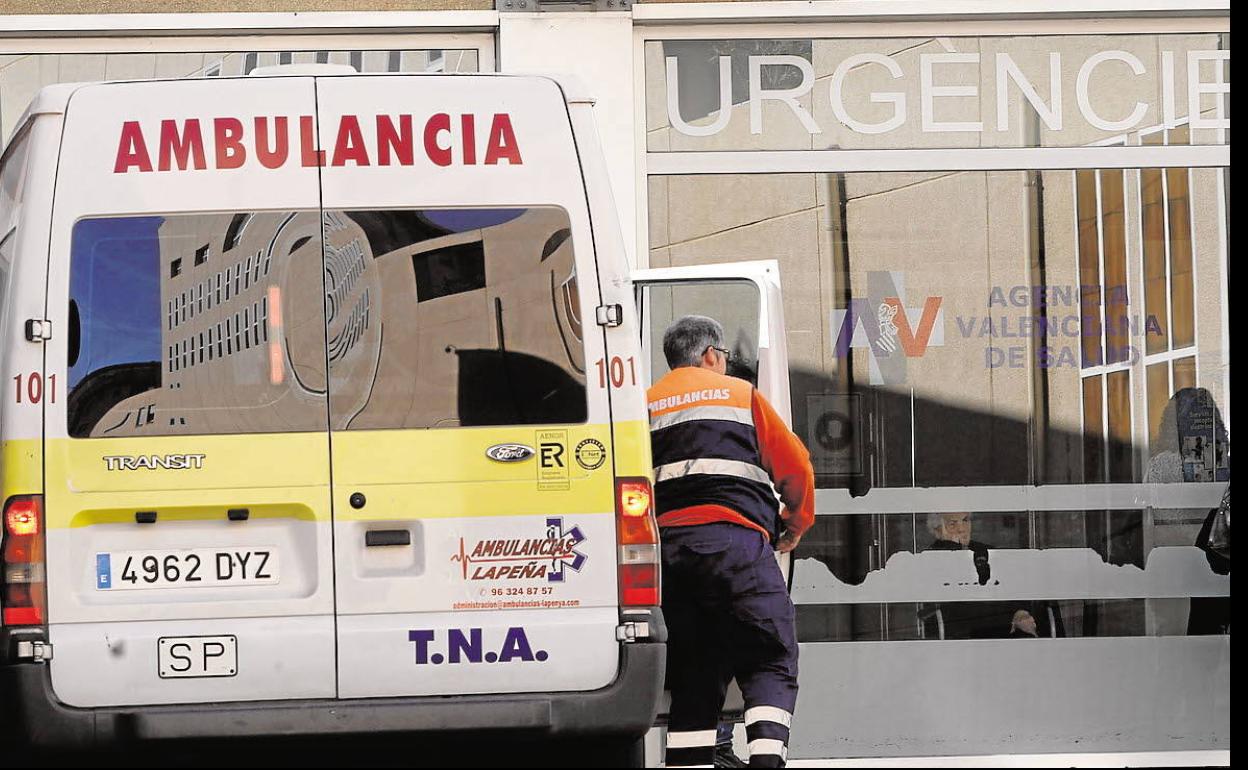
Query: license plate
point(186, 568)
point(183, 657)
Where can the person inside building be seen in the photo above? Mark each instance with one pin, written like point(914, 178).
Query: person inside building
point(721, 453)
point(1023, 626)
point(982, 619)
point(952, 532)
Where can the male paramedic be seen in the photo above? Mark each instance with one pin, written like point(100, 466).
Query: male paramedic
point(719, 449)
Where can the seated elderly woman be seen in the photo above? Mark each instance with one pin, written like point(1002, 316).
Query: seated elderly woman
point(1023, 626)
point(981, 619)
point(952, 532)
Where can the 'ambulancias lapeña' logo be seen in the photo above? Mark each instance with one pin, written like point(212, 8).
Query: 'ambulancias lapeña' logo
point(537, 558)
point(891, 330)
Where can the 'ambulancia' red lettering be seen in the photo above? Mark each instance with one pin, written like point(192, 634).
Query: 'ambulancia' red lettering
point(468, 130)
point(266, 141)
point(185, 148)
point(502, 144)
point(437, 124)
point(349, 147)
point(131, 150)
point(275, 156)
point(399, 140)
point(229, 139)
point(310, 156)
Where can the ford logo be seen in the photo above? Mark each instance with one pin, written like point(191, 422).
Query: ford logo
point(509, 453)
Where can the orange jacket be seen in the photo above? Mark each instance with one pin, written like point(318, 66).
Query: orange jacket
point(695, 392)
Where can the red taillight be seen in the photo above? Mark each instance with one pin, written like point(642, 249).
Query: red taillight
point(639, 543)
point(635, 497)
point(22, 518)
point(23, 593)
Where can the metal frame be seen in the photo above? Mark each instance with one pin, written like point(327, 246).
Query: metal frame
point(355, 40)
point(829, 10)
point(266, 32)
point(1103, 370)
point(1171, 354)
point(1047, 498)
point(316, 22)
point(952, 160)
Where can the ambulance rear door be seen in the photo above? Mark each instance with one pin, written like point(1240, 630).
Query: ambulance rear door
point(473, 497)
point(186, 442)
point(745, 298)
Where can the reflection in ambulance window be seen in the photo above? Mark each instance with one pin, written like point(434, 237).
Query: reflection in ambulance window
point(204, 347)
point(449, 270)
point(734, 303)
point(425, 318)
point(453, 317)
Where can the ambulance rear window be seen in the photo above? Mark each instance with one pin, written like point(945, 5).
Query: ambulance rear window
point(170, 344)
point(248, 322)
point(460, 317)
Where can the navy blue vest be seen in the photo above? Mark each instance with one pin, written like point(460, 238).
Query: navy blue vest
point(706, 448)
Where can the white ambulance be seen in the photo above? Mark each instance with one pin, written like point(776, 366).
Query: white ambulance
point(325, 401)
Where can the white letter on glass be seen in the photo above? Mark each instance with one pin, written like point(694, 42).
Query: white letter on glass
point(929, 92)
point(896, 98)
point(1195, 88)
point(725, 100)
point(1085, 102)
point(1007, 69)
point(787, 95)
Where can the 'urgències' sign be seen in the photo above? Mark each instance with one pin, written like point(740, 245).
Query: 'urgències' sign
point(1046, 92)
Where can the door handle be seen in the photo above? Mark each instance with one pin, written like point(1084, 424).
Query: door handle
point(383, 537)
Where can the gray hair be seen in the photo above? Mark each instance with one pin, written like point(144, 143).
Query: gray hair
point(685, 341)
point(934, 522)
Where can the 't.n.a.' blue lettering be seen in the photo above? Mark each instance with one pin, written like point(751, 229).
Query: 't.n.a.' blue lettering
point(469, 647)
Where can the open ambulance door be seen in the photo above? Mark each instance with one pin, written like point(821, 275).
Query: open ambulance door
point(745, 298)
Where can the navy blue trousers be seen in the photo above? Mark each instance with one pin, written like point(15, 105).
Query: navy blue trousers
point(728, 615)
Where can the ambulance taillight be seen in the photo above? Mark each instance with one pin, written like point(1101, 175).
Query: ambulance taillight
point(23, 593)
point(639, 543)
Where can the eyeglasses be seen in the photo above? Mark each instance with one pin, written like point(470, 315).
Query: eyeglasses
point(726, 353)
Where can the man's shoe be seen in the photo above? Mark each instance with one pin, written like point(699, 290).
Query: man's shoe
point(726, 757)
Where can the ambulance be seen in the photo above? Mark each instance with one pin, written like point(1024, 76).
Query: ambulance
point(324, 413)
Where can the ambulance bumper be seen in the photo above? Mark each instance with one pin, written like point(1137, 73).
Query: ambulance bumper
point(34, 718)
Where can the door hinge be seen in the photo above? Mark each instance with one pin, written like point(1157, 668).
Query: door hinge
point(38, 330)
point(609, 315)
point(38, 652)
point(632, 631)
